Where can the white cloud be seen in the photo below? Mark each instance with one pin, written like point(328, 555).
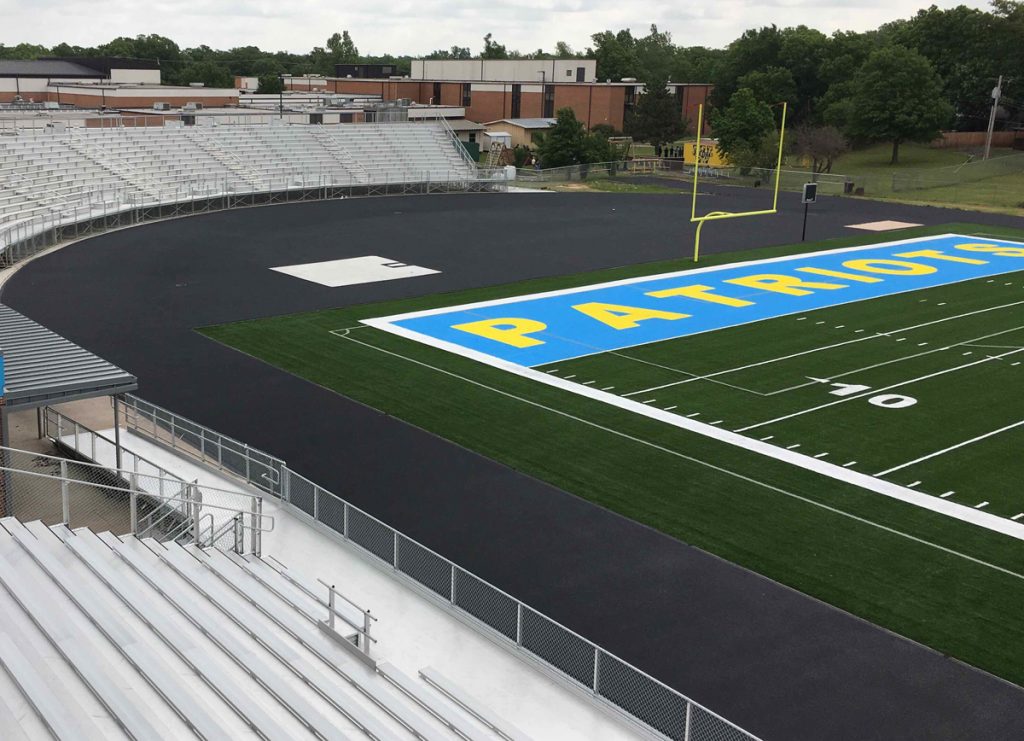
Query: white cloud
point(417, 27)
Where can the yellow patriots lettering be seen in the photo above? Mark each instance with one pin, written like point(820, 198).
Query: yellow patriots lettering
point(940, 255)
point(995, 249)
point(701, 293)
point(509, 330)
point(790, 285)
point(890, 267)
point(624, 317)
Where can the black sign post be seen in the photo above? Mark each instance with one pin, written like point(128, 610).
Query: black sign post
point(810, 196)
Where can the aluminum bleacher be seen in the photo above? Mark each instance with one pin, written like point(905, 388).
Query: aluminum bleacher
point(106, 177)
point(120, 637)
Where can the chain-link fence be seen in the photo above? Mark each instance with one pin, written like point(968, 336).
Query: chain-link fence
point(590, 171)
point(970, 172)
point(607, 678)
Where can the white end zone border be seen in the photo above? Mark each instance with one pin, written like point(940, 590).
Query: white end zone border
point(816, 465)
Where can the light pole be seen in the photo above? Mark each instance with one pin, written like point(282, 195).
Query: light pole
point(997, 93)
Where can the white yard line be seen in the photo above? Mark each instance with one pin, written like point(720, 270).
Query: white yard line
point(712, 376)
point(1001, 524)
point(937, 453)
point(880, 486)
point(874, 392)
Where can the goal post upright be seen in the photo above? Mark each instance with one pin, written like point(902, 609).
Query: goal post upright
point(722, 215)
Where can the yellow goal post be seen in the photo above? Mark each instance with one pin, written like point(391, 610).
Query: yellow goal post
point(721, 215)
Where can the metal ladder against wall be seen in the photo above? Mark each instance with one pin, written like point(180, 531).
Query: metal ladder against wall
point(494, 154)
point(330, 143)
point(202, 139)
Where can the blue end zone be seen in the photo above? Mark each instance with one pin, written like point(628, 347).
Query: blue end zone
point(562, 325)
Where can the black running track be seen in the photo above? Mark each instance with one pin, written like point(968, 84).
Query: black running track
point(778, 663)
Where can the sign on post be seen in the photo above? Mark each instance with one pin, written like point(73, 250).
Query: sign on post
point(810, 193)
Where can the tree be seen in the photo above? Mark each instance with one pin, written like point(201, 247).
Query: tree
point(823, 145)
point(211, 74)
point(897, 97)
point(657, 118)
point(615, 54)
point(771, 85)
point(745, 130)
point(569, 143)
point(342, 48)
point(270, 84)
point(492, 49)
point(564, 51)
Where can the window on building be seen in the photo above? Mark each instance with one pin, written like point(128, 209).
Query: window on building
point(467, 95)
point(581, 74)
point(472, 137)
point(517, 101)
point(568, 73)
point(549, 102)
point(629, 101)
point(436, 100)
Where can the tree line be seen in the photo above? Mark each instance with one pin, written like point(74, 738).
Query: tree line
point(901, 82)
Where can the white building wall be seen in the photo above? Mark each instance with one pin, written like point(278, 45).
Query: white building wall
point(504, 70)
point(138, 76)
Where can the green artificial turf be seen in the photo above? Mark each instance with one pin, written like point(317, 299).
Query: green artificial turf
point(948, 584)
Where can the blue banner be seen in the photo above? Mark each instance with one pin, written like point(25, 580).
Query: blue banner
point(560, 325)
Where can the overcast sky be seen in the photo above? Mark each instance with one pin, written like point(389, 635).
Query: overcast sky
point(419, 26)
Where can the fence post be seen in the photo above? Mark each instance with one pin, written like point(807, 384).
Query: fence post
point(597, 670)
point(330, 606)
point(394, 550)
point(193, 489)
point(519, 623)
point(366, 632)
point(173, 442)
point(453, 584)
point(686, 728)
point(255, 544)
point(65, 499)
point(133, 499)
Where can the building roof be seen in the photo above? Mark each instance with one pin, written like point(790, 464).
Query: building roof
point(45, 68)
point(528, 123)
point(42, 367)
point(461, 124)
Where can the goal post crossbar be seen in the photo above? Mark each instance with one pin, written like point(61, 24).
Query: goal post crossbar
point(722, 215)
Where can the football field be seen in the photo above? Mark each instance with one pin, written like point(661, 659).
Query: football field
point(844, 417)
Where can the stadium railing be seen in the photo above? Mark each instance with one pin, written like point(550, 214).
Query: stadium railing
point(111, 207)
point(591, 171)
point(574, 660)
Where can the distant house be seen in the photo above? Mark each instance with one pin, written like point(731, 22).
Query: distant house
point(522, 130)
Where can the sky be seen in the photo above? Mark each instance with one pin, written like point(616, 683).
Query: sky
point(419, 26)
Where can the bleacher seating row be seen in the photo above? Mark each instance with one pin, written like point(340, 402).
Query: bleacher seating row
point(108, 637)
point(68, 175)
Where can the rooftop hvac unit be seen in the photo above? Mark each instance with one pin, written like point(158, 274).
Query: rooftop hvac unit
point(161, 106)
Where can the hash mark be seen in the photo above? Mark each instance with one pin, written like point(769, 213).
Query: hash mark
point(921, 344)
point(851, 463)
point(947, 494)
point(840, 326)
point(982, 505)
point(1017, 517)
point(793, 447)
point(553, 370)
point(902, 339)
point(607, 388)
point(801, 319)
point(695, 414)
point(572, 376)
point(942, 304)
point(716, 422)
point(588, 383)
point(913, 484)
point(766, 439)
point(669, 409)
point(819, 322)
point(649, 401)
point(821, 455)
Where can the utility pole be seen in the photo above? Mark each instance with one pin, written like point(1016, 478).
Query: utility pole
point(997, 93)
